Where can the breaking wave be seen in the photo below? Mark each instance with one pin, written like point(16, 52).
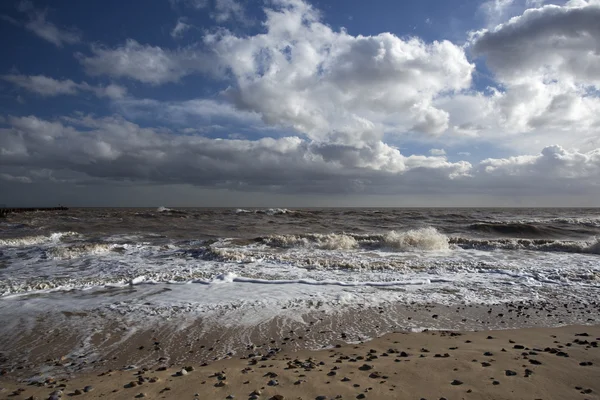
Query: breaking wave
point(166, 210)
point(590, 222)
point(590, 247)
point(424, 239)
point(80, 250)
point(34, 240)
point(267, 211)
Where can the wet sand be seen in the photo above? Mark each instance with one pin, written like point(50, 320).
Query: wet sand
point(530, 363)
point(62, 344)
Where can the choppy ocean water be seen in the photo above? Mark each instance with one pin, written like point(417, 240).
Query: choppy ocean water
point(245, 267)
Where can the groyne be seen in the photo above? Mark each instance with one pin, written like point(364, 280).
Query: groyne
point(4, 211)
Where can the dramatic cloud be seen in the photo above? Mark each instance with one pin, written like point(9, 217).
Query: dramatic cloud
point(550, 42)
point(334, 86)
point(46, 86)
point(112, 148)
point(145, 63)
point(295, 105)
point(546, 65)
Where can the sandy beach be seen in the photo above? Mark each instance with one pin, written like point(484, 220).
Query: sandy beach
point(535, 363)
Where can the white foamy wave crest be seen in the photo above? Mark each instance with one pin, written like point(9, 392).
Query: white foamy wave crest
point(331, 241)
point(424, 239)
point(590, 247)
point(428, 239)
point(165, 210)
point(82, 250)
point(34, 240)
point(275, 211)
point(267, 211)
point(592, 222)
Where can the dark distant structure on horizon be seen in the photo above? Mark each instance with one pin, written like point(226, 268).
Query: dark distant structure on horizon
point(4, 211)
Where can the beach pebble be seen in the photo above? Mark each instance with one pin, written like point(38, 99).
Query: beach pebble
point(140, 395)
point(456, 382)
point(510, 373)
point(366, 367)
point(78, 392)
point(230, 397)
point(182, 372)
point(273, 382)
point(88, 389)
point(277, 397)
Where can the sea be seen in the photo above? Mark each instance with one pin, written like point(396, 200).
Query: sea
point(91, 280)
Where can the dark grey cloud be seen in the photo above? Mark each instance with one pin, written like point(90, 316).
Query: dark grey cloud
point(89, 150)
point(563, 39)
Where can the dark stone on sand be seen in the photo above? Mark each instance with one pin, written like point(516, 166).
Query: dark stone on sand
point(488, 354)
point(456, 382)
point(495, 383)
point(586, 363)
point(321, 398)
point(361, 396)
point(508, 372)
point(88, 389)
point(277, 397)
point(518, 346)
point(366, 367)
point(534, 362)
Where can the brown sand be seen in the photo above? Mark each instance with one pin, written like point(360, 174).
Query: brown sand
point(539, 363)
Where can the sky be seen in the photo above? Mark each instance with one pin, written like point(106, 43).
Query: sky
point(294, 103)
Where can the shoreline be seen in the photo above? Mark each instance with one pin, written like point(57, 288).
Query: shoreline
point(547, 363)
point(63, 343)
